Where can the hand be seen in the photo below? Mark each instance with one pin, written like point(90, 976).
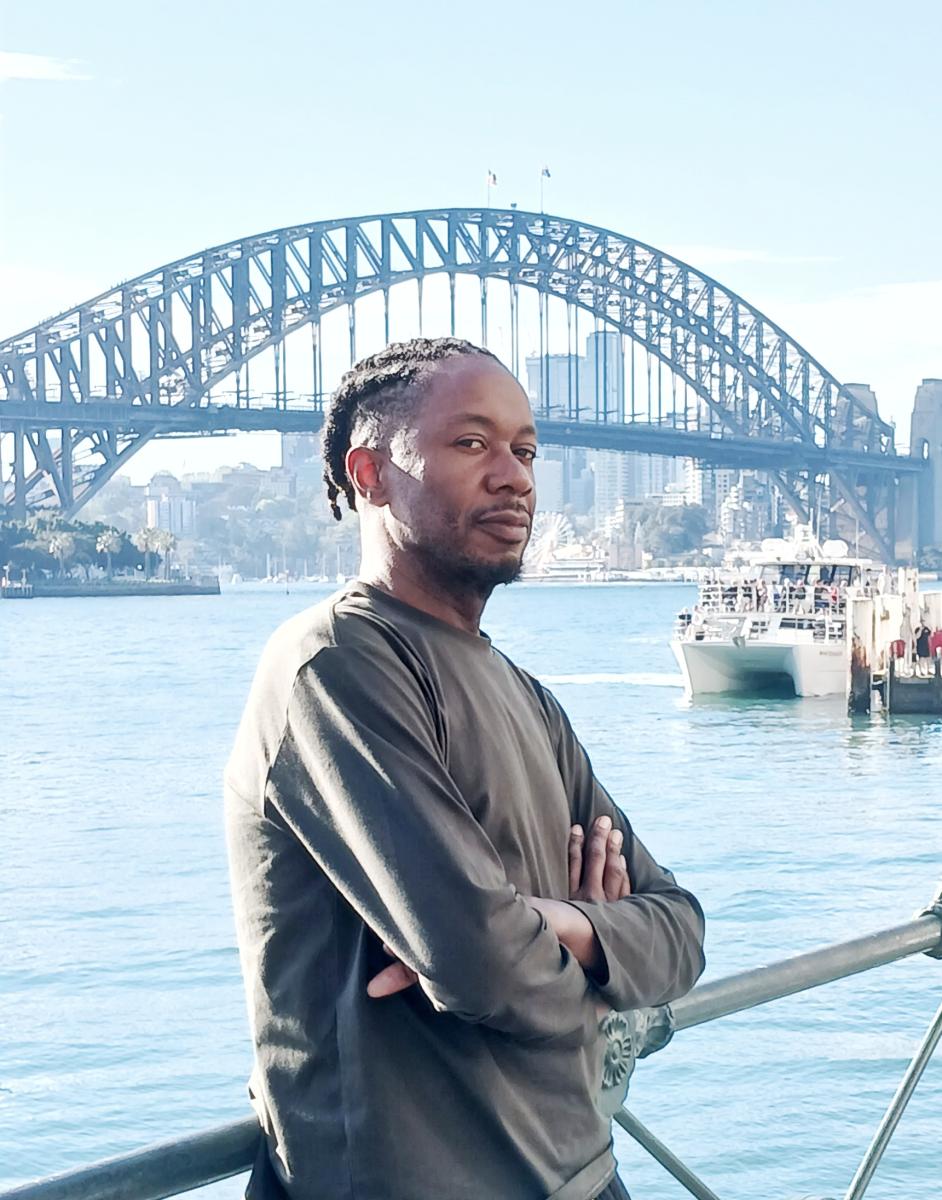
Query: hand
point(600, 874)
point(394, 978)
point(597, 871)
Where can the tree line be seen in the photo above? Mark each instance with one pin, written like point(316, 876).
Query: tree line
point(50, 546)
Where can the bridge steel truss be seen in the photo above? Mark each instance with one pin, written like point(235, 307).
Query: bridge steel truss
point(82, 391)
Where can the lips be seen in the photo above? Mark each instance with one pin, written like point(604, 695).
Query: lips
point(507, 525)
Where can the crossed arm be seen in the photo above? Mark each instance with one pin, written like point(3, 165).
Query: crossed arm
point(598, 873)
point(364, 787)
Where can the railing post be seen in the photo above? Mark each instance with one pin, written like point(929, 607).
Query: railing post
point(668, 1160)
point(891, 1117)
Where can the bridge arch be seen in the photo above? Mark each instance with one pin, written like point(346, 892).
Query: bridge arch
point(145, 357)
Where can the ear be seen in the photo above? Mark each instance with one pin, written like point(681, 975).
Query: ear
point(365, 471)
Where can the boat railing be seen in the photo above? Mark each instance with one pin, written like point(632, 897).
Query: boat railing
point(755, 624)
point(716, 599)
point(173, 1167)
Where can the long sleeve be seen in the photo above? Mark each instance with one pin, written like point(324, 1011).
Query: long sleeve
point(652, 940)
point(360, 779)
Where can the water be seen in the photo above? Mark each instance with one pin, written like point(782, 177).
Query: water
point(121, 1013)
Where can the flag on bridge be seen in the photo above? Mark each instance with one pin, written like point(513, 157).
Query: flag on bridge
point(491, 179)
point(545, 173)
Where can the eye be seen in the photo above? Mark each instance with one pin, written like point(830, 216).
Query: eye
point(527, 453)
point(471, 442)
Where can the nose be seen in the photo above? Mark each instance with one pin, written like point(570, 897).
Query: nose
point(511, 473)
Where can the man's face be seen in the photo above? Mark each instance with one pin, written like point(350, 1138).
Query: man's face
point(461, 495)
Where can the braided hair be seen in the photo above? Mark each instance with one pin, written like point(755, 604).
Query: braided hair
point(374, 397)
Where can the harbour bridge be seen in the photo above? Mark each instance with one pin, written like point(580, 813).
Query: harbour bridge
point(683, 366)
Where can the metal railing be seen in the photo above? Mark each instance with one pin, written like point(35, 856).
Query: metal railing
point(173, 1167)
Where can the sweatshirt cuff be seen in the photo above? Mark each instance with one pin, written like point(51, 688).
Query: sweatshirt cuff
point(601, 977)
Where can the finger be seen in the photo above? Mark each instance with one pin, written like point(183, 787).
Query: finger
point(392, 979)
point(626, 886)
point(576, 842)
point(593, 869)
point(614, 876)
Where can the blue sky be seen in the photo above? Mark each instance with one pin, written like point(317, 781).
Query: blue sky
point(792, 151)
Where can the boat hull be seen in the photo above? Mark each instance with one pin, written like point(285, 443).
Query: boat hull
point(717, 667)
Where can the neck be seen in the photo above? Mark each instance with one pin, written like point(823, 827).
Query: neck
point(408, 580)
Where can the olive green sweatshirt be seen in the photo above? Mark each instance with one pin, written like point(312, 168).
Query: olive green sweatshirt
point(397, 780)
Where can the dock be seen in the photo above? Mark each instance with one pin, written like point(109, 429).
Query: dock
point(887, 669)
point(69, 589)
point(920, 694)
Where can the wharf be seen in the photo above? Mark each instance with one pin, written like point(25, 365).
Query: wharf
point(914, 693)
point(884, 637)
point(113, 587)
point(16, 591)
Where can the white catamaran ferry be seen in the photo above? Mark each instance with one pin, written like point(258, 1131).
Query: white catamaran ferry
point(782, 620)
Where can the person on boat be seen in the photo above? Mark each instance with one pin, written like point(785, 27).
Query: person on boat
point(435, 898)
point(822, 596)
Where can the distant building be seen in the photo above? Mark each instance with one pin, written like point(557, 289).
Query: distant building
point(548, 477)
point(926, 441)
point(748, 512)
point(301, 454)
point(243, 473)
point(709, 487)
point(590, 386)
point(167, 506)
point(300, 449)
point(281, 481)
point(631, 477)
point(674, 496)
point(621, 532)
point(563, 480)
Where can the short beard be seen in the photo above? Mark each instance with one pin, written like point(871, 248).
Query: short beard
point(461, 575)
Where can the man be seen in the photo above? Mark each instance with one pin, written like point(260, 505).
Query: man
point(426, 948)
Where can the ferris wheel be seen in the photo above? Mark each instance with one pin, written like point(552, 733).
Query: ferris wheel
point(551, 530)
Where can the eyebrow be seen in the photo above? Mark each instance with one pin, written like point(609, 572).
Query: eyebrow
point(470, 418)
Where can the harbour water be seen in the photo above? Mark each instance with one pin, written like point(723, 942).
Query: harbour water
point(122, 1019)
